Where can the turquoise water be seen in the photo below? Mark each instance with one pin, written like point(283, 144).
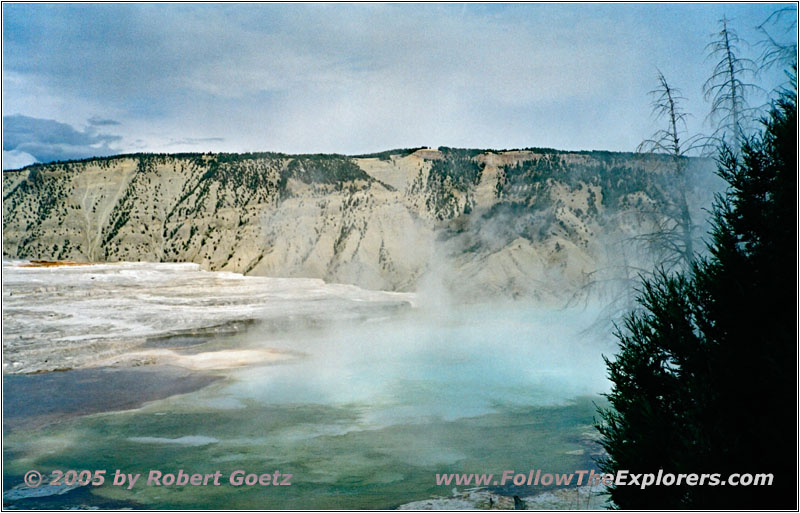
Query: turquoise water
point(363, 416)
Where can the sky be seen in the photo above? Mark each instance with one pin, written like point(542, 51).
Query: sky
point(83, 80)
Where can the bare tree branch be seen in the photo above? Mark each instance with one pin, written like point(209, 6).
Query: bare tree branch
point(728, 87)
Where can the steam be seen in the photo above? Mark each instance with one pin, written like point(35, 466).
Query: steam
point(436, 363)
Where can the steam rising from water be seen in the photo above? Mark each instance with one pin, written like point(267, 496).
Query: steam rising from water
point(368, 393)
point(443, 365)
point(345, 345)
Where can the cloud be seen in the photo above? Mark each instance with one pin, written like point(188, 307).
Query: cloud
point(96, 121)
point(47, 140)
point(357, 78)
point(16, 159)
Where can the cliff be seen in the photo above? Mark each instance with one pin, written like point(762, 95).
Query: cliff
point(528, 222)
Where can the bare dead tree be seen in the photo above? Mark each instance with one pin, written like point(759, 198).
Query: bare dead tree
point(668, 240)
point(778, 49)
point(777, 52)
point(673, 235)
point(727, 88)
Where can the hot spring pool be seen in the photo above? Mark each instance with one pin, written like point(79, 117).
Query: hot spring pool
point(362, 398)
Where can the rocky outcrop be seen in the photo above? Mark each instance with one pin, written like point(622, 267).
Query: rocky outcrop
point(528, 222)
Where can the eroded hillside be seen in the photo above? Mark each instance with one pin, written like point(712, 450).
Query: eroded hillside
point(532, 222)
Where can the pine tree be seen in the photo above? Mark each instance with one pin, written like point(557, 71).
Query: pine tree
point(705, 379)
